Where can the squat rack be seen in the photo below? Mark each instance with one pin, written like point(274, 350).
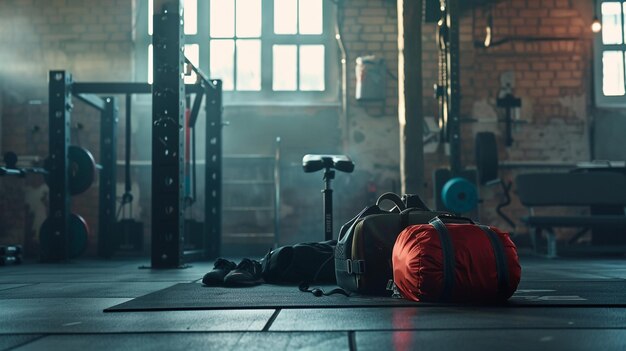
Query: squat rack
point(61, 88)
point(168, 121)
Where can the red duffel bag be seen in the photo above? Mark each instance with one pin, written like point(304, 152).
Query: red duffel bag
point(455, 262)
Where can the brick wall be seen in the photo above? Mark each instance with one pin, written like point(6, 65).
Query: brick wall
point(87, 37)
point(552, 77)
point(370, 28)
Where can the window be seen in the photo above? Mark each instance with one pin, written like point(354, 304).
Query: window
point(262, 50)
point(610, 49)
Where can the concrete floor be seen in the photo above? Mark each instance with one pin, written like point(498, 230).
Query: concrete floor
point(59, 307)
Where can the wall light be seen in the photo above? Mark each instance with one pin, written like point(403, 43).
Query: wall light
point(489, 30)
point(596, 25)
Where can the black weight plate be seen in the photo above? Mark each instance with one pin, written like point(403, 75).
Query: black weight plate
point(82, 167)
point(79, 233)
point(486, 157)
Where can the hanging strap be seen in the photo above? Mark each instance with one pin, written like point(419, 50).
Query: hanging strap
point(448, 258)
point(501, 261)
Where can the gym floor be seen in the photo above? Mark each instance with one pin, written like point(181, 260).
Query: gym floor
point(59, 307)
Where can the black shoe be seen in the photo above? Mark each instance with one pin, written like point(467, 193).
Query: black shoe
point(247, 273)
point(221, 268)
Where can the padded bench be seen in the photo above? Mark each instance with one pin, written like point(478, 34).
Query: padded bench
point(575, 189)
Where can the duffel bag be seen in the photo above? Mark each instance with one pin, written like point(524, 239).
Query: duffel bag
point(365, 244)
point(455, 262)
point(304, 262)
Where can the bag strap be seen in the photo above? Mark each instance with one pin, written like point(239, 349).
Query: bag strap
point(448, 257)
point(501, 261)
point(304, 287)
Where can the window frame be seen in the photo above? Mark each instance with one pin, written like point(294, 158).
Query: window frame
point(601, 100)
point(266, 96)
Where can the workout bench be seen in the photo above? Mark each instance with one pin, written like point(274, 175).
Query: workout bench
point(576, 189)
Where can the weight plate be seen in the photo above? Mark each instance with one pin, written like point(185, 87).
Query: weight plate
point(82, 169)
point(79, 234)
point(459, 195)
point(486, 157)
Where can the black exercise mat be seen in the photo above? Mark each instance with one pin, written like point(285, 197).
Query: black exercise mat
point(195, 296)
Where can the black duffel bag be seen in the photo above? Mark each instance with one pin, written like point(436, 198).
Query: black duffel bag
point(303, 262)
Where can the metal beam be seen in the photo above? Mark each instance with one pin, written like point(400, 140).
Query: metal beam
point(92, 100)
point(213, 172)
point(60, 105)
point(123, 88)
point(111, 88)
point(107, 243)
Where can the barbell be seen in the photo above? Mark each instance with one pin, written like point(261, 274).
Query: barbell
point(82, 169)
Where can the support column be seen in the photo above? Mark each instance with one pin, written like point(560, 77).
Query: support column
point(410, 115)
point(168, 93)
point(213, 171)
point(59, 109)
point(107, 240)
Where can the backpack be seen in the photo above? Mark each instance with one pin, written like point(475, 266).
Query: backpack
point(455, 262)
point(365, 243)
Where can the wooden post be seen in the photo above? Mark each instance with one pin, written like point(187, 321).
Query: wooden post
point(410, 115)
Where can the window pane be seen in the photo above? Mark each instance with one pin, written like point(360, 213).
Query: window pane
point(192, 52)
point(222, 18)
point(613, 73)
point(248, 18)
point(150, 64)
point(248, 65)
point(285, 16)
point(311, 19)
point(285, 67)
point(150, 12)
point(222, 58)
point(312, 67)
point(611, 23)
point(191, 16)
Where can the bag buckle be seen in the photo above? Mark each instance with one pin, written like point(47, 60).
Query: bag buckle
point(355, 266)
point(358, 266)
